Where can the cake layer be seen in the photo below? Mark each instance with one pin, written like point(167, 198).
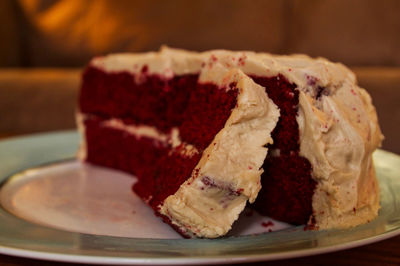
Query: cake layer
point(287, 184)
point(152, 100)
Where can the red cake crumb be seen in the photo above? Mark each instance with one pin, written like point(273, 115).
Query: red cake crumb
point(287, 185)
point(242, 60)
point(320, 91)
point(145, 69)
point(311, 80)
point(267, 224)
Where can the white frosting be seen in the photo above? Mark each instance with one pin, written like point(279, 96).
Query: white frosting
point(338, 139)
point(337, 133)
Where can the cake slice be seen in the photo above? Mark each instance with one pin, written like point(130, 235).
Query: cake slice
point(199, 129)
point(195, 138)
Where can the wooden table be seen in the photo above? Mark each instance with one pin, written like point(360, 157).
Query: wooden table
point(382, 83)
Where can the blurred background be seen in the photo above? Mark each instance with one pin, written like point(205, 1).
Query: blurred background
point(46, 43)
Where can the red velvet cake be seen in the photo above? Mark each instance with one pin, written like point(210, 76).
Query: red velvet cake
point(205, 133)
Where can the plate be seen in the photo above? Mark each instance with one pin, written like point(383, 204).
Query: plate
point(36, 158)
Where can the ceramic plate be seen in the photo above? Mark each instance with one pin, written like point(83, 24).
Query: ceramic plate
point(56, 208)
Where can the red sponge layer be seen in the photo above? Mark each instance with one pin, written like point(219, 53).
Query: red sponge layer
point(144, 99)
point(287, 185)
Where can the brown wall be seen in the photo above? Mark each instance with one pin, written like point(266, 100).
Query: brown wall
point(70, 32)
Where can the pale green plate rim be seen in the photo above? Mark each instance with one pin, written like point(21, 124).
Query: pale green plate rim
point(22, 238)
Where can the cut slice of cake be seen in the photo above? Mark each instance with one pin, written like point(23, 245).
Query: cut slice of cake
point(195, 129)
point(195, 141)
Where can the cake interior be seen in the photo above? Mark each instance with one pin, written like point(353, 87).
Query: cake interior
point(198, 111)
point(287, 185)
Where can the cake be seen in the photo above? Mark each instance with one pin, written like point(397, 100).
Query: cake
point(207, 133)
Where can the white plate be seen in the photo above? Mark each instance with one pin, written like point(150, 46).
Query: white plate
point(67, 211)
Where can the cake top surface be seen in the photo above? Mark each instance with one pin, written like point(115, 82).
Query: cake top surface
point(302, 70)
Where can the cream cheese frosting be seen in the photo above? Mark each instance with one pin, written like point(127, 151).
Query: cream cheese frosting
point(338, 133)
